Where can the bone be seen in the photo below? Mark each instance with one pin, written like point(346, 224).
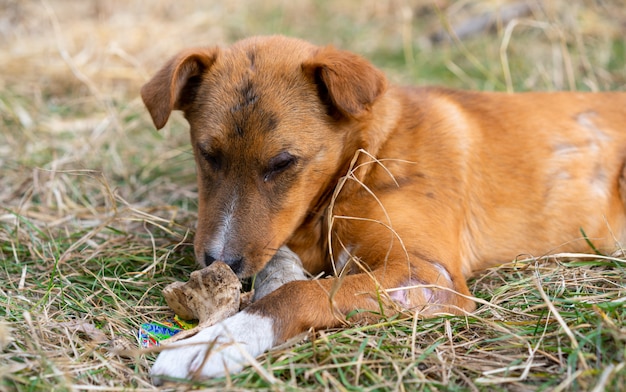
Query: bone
point(213, 294)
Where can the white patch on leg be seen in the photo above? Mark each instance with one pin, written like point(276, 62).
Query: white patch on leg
point(232, 342)
point(284, 267)
point(411, 295)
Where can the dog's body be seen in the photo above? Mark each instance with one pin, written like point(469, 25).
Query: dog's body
point(400, 193)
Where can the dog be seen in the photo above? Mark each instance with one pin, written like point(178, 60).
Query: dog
point(396, 194)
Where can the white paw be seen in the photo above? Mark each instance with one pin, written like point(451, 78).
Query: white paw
point(233, 343)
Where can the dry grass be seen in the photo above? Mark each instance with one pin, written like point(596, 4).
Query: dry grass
point(95, 206)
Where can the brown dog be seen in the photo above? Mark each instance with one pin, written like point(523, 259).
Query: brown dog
point(400, 193)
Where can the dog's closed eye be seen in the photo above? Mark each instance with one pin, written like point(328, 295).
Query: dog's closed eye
point(279, 164)
point(214, 159)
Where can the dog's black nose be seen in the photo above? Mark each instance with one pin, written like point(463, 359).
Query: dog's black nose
point(235, 263)
point(208, 259)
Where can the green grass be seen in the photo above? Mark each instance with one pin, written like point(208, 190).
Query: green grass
point(97, 209)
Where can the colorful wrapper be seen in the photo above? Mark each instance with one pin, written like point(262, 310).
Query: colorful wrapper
point(151, 334)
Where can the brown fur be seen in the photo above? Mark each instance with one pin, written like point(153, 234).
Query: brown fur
point(452, 182)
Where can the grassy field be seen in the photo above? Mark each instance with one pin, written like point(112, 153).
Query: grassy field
point(97, 209)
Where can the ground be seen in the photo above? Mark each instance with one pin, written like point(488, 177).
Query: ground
point(97, 209)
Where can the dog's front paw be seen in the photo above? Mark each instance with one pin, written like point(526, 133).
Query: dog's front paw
point(225, 347)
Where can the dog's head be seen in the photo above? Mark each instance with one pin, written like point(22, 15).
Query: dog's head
point(273, 120)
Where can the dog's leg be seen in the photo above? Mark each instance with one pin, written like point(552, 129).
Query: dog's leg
point(298, 306)
point(224, 347)
point(284, 267)
point(252, 334)
point(424, 288)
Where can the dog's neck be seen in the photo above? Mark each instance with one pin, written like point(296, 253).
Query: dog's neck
point(356, 165)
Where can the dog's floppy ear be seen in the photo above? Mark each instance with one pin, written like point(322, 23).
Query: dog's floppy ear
point(174, 85)
point(346, 81)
